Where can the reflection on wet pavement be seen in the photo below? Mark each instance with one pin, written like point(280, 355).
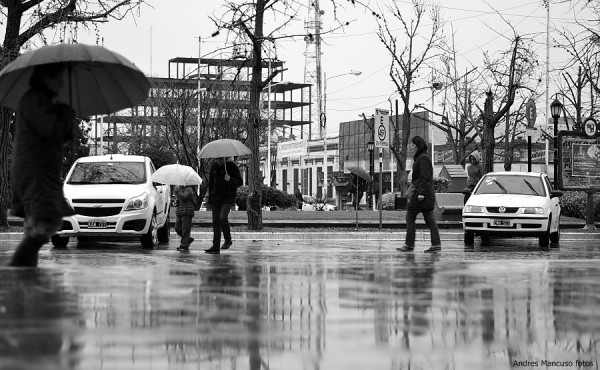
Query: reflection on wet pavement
point(302, 305)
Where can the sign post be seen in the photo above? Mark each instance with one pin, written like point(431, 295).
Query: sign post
point(530, 115)
point(382, 140)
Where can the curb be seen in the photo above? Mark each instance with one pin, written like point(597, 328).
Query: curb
point(350, 235)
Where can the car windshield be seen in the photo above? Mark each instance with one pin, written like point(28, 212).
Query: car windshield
point(108, 173)
point(504, 184)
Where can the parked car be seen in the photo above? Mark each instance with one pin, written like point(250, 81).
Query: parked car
point(511, 204)
point(388, 201)
point(309, 203)
point(113, 195)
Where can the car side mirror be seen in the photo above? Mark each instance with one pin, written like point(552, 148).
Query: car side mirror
point(556, 193)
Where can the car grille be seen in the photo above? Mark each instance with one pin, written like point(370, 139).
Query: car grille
point(98, 211)
point(84, 200)
point(506, 210)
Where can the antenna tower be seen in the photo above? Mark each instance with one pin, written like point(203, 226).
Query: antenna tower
point(312, 69)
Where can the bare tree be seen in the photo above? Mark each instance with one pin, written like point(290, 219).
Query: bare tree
point(246, 24)
point(508, 72)
point(26, 21)
point(409, 54)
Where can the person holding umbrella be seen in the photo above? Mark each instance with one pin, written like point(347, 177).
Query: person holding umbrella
point(42, 126)
point(184, 177)
point(184, 213)
point(47, 88)
point(421, 198)
point(224, 180)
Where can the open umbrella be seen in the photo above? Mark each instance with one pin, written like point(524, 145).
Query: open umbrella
point(99, 81)
point(224, 148)
point(176, 174)
point(360, 172)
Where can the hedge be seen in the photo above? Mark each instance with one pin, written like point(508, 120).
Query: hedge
point(574, 204)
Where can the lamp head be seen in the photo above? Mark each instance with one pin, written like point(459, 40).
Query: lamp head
point(556, 108)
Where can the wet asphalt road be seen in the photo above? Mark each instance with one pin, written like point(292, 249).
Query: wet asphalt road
point(303, 304)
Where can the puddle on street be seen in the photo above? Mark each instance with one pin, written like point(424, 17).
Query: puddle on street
point(297, 309)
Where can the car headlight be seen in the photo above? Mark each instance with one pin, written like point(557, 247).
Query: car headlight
point(136, 203)
point(533, 211)
point(473, 209)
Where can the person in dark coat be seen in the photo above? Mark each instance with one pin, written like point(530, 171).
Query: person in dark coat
point(42, 126)
point(474, 174)
point(224, 180)
point(421, 198)
point(184, 213)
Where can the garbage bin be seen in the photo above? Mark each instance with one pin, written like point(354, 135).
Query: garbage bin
point(399, 202)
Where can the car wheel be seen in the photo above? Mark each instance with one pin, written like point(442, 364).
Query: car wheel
point(150, 239)
point(59, 241)
point(469, 238)
point(164, 232)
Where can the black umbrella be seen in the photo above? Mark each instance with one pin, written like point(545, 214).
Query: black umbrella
point(360, 172)
point(99, 81)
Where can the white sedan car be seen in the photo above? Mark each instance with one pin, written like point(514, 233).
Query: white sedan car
point(513, 204)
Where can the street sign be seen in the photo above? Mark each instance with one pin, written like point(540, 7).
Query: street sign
point(382, 128)
point(591, 127)
point(530, 113)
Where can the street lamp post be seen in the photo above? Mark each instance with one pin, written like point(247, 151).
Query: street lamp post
point(324, 123)
point(245, 165)
point(555, 109)
point(371, 147)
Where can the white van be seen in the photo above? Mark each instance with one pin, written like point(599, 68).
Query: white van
point(113, 195)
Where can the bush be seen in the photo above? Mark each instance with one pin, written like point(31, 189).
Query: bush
point(441, 184)
point(574, 204)
point(271, 197)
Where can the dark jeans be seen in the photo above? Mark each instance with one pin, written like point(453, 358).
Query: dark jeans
point(411, 228)
point(220, 214)
point(183, 228)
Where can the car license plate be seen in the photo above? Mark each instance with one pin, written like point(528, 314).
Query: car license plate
point(96, 224)
point(502, 223)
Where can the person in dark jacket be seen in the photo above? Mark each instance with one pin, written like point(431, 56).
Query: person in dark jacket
point(224, 180)
point(185, 212)
point(422, 199)
point(42, 126)
point(474, 174)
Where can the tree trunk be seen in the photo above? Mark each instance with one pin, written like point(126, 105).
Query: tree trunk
point(254, 200)
point(488, 140)
point(5, 160)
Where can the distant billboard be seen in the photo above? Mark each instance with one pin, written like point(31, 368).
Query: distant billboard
point(293, 148)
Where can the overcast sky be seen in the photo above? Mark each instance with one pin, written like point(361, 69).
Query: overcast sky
point(171, 29)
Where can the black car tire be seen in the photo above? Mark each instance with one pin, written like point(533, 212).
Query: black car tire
point(150, 239)
point(59, 241)
point(469, 238)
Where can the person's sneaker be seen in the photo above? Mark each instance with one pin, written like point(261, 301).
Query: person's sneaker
point(213, 250)
point(183, 249)
point(226, 245)
point(405, 248)
point(433, 249)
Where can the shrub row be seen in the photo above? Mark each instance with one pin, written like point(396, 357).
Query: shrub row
point(271, 197)
point(574, 204)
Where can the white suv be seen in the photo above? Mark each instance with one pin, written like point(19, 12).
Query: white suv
point(113, 195)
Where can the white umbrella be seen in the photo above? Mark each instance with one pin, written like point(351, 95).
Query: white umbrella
point(224, 148)
point(176, 174)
